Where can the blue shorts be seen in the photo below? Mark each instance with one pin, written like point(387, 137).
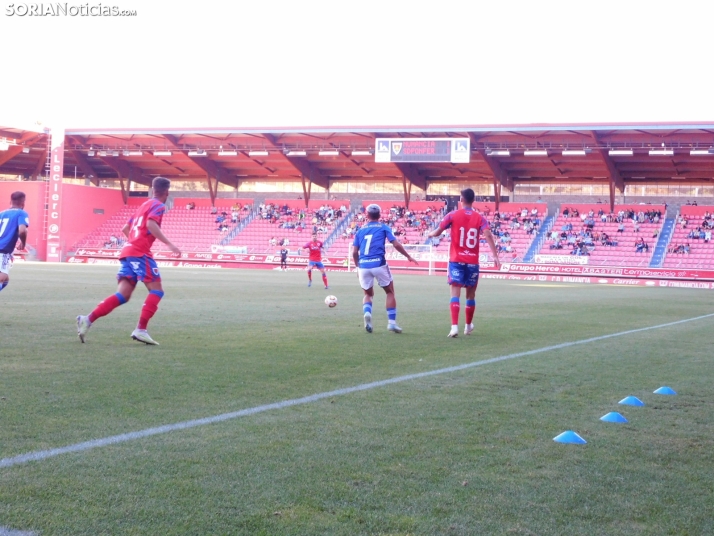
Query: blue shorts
point(139, 269)
point(465, 275)
point(316, 264)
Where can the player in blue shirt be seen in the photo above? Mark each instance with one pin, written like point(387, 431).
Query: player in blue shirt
point(13, 225)
point(369, 256)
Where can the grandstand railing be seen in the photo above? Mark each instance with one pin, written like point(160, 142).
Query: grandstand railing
point(238, 228)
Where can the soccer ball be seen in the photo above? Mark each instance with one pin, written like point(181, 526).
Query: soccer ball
point(331, 301)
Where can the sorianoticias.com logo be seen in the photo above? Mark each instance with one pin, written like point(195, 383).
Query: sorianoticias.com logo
point(59, 9)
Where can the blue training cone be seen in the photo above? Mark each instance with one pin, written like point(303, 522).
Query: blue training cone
point(631, 401)
point(569, 437)
point(664, 390)
point(613, 416)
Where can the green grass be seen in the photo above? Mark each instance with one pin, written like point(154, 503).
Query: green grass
point(458, 453)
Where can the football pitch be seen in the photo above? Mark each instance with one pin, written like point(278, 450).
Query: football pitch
point(264, 412)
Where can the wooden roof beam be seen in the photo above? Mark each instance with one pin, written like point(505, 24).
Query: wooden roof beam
point(300, 164)
point(126, 170)
point(612, 171)
point(86, 167)
point(500, 174)
point(209, 166)
point(411, 172)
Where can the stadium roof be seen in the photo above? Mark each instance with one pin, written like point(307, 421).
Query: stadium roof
point(619, 153)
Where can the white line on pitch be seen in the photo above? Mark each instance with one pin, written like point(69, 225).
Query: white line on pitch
point(4, 531)
point(130, 436)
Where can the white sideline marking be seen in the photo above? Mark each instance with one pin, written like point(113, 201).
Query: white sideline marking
point(4, 531)
point(95, 443)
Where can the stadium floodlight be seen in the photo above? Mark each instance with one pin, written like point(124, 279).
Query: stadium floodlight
point(575, 152)
point(91, 152)
point(498, 152)
point(695, 152)
point(358, 152)
point(162, 153)
point(661, 152)
point(258, 153)
point(329, 153)
point(25, 150)
point(620, 152)
point(296, 153)
point(4, 146)
point(227, 153)
point(102, 153)
point(535, 152)
point(132, 153)
point(115, 153)
point(197, 152)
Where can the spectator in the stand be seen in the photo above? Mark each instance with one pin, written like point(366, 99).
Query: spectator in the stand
point(566, 212)
point(214, 210)
point(621, 228)
point(687, 248)
point(707, 236)
point(641, 246)
point(234, 216)
point(190, 206)
point(113, 241)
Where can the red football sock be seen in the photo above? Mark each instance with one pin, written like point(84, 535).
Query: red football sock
point(107, 306)
point(455, 310)
point(470, 310)
point(309, 275)
point(324, 280)
point(151, 305)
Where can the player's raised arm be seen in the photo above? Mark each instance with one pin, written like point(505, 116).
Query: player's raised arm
point(492, 244)
point(398, 246)
point(155, 230)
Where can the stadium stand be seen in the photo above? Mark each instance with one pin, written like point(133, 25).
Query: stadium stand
point(100, 237)
point(278, 219)
point(514, 226)
point(691, 245)
point(409, 226)
point(192, 229)
point(623, 227)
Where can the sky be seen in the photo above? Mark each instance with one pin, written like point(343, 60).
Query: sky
point(367, 63)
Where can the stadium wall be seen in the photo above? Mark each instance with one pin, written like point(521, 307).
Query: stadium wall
point(35, 208)
point(84, 208)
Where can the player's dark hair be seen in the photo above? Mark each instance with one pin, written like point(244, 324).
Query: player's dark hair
point(468, 195)
point(160, 185)
point(17, 197)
